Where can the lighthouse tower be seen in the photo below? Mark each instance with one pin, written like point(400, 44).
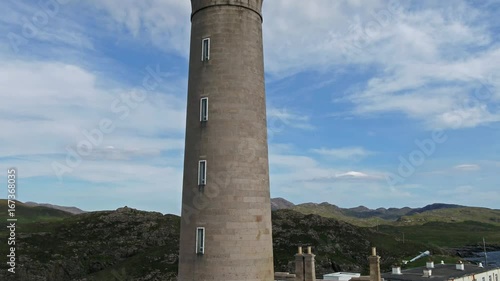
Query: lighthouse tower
point(226, 211)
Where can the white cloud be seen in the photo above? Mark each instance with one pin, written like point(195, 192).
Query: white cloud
point(304, 179)
point(467, 167)
point(49, 107)
point(27, 25)
point(352, 174)
point(345, 153)
point(164, 23)
point(289, 168)
point(430, 58)
point(457, 170)
point(278, 118)
point(301, 35)
point(429, 71)
point(292, 161)
point(430, 61)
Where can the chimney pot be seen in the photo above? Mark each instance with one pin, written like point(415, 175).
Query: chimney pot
point(396, 270)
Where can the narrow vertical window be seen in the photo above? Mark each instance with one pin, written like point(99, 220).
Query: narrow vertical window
point(205, 49)
point(200, 240)
point(204, 109)
point(202, 172)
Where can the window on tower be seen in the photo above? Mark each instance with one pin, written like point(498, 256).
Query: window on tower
point(205, 49)
point(202, 172)
point(204, 109)
point(200, 240)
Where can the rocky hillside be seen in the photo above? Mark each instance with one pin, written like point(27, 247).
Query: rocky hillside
point(120, 245)
point(338, 246)
point(129, 244)
point(280, 203)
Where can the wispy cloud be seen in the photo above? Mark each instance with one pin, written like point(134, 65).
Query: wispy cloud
point(164, 23)
point(277, 117)
point(453, 170)
point(467, 167)
point(350, 176)
point(429, 61)
point(63, 104)
point(345, 153)
point(421, 78)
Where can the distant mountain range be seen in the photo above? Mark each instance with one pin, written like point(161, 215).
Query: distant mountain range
point(363, 216)
point(72, 210)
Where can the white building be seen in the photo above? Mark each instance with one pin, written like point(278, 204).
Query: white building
point(445, 272)
point(340, 276)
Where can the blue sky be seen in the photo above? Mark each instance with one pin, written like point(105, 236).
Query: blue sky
point(374, 103)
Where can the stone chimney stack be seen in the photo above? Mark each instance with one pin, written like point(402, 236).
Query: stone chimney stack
point(310, 269)
point(299, 265)
point(304, 265)
point(374, 266)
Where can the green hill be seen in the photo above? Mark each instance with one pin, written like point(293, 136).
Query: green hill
point(453, 215)
point(362, 216)
point(331, 211)
point(446, 234)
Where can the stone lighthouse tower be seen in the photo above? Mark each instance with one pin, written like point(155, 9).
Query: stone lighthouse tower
point(226, 212)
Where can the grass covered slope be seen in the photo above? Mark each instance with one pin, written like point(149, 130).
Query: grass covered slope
point(453, 215)
point(446, 234)
point(331, 211)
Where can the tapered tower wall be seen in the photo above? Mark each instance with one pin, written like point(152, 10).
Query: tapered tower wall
point(234, 205)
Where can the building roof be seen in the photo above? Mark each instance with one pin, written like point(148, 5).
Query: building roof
point(351, 274)
point(439, 272)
